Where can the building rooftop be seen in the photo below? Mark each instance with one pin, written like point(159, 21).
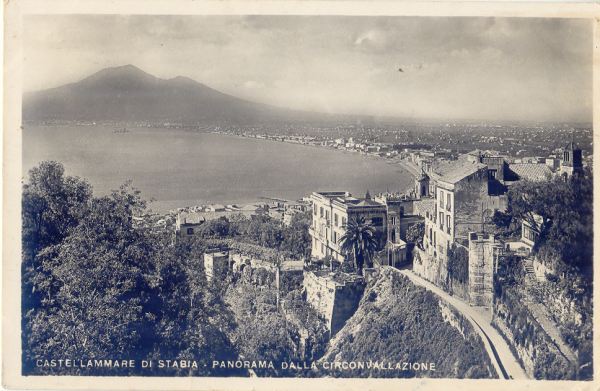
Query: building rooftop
point(366, 202)
point(456, 170)
point(201, 217)
point(532, 171)
point(192, 217)
point(346, 199)
point(338, 277)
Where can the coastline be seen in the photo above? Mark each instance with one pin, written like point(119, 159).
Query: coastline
point(399, 176)
point(407, 166)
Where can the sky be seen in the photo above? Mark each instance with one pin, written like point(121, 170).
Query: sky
point(478, 68)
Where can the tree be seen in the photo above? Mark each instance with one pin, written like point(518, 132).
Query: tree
point(97, 302)
point(296, 238)
point(218, 228)
point(562, 212)
point(415, 234)
point(53, 204)
point(458, 265)
point(359, 240)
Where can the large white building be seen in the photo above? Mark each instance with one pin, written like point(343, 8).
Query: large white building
point(331, 211)
point(389, 214)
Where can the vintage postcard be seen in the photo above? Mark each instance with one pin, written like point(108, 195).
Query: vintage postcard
point(259, 195)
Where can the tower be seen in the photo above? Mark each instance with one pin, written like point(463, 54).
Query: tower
point(422, 186)
point(572, 160)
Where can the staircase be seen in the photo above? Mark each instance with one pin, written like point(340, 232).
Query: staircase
point(528, 266)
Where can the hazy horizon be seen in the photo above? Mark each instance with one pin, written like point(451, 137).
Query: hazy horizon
point(454, 69)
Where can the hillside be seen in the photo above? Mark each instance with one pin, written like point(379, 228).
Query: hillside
point(127, 93)
point(399, 322)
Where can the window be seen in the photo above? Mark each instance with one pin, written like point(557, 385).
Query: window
point(442, 220)
point(335, 219)
point(321, 211)
point(334, 236)
point(315, 209)
point(530, 234)
point(344, 221)
point(393, 220)
point(190, 231)
point(448, 203)
point(492, 174)
point(441, 199)
point(448, 223)
point(327, 215)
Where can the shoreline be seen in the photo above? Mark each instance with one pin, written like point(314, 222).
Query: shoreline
point(402, 163)
point(402, 172)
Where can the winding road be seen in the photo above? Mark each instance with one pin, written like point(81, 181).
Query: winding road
point(506, 364)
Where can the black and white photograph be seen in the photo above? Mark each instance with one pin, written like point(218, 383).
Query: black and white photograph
point(305, 196)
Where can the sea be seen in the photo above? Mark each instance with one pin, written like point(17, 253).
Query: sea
point(179, 168)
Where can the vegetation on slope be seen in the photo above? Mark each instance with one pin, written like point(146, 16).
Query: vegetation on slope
point(397, 321)
point(96, 288)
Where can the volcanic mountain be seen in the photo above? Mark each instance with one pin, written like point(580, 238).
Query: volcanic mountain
point(127, 93)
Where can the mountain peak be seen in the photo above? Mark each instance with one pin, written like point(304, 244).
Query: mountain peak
point(120, 74)
point(127, 93)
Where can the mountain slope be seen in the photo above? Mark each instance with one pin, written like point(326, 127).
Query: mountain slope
point(127, 93)
point(399, 322)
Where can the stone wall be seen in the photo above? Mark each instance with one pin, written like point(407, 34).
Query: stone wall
point(432, 269)
point(483, 249)
point(216, 264)
point(346, 300)
point(333, 300)
point(471, 200)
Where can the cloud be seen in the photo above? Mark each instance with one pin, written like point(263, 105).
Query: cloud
point(372, 39)
point(453, 67)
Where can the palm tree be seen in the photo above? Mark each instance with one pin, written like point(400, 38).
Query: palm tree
point(359, 239)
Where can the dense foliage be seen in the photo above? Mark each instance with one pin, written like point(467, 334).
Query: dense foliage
point(526, 333)
point(458, 269)
point(96, 288)
point(263, 231)
point(565, 210)
point(415, 234)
